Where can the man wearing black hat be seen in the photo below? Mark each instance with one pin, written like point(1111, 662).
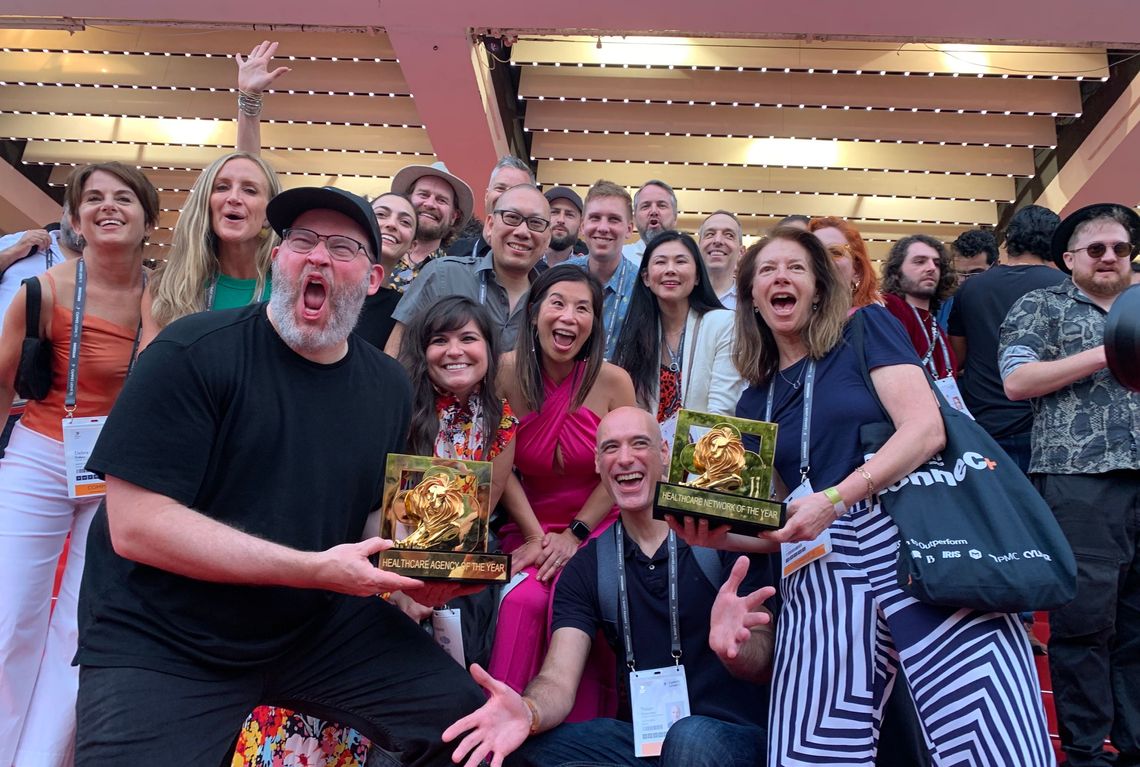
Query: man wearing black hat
point(226, 569)
point(565, 223)
point(1085, 462)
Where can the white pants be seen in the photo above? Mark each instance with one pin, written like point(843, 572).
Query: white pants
point(37, 681)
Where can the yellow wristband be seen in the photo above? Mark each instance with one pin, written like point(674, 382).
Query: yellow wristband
point(836, 499)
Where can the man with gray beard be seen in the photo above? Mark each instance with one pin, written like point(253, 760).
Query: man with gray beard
point(226, 567)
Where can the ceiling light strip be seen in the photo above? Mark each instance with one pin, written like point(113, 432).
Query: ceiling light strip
point(780, 105)
point(698, 134)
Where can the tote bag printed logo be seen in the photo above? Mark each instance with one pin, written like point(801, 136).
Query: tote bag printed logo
point(931, 473)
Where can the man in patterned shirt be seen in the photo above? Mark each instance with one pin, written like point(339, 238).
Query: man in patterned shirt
point(1086, 464)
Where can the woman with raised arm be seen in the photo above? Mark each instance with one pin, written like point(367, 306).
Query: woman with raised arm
point(559, 387)
point(844, 615)
point(676, 343)
point(90, 304)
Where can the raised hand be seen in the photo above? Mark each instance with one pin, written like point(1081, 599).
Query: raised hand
point(253, 71)
point(733, 617)
point(495, 729)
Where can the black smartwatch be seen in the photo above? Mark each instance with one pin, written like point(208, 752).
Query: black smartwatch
point(580, 529)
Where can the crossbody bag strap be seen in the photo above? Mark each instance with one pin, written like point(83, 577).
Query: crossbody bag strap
point(32, 307)
point(607, 583)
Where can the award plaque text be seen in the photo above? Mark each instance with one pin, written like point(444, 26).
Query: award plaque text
point(436, 510)
point(720, 469)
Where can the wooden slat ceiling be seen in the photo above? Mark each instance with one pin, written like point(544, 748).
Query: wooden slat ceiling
point(898, 139)
point(165, 100)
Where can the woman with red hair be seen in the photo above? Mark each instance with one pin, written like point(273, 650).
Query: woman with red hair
point(847, 249)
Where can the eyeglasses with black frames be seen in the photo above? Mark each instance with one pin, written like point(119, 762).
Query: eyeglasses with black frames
point(513, 218)
point(339, 246)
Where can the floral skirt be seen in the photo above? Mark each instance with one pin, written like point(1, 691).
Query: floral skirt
point(278, 737)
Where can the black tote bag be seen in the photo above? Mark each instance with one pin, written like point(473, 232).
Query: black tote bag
point(973, 531)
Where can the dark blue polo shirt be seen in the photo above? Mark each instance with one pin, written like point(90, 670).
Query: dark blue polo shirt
point(713, 692)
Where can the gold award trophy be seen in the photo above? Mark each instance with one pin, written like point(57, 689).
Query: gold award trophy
point(436, 510)
point(720, 469)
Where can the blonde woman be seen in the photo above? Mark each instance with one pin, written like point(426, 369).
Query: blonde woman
point(222, 244)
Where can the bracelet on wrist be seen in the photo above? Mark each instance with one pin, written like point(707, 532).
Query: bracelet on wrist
point(535, 721)
point(249, 104)
point(832, 494)
point(867, 478)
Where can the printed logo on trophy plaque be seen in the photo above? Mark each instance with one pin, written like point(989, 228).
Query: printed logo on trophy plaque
point(437, 510)
point(720, 469)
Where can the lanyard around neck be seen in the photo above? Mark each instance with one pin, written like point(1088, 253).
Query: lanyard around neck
point(805, 429)
point(619, 296)
point(77, 308)
point(623, 599)
point(933, 337)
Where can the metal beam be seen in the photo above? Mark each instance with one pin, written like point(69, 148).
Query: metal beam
point(1103, 169)
point(22, 204)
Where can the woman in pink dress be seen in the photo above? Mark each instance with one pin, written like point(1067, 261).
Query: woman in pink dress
point(559, 387)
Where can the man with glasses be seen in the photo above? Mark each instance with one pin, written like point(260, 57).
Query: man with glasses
point(226, 568)
point(519, 231)
point(508, 171)
point(1085, 462)
point(975, 251)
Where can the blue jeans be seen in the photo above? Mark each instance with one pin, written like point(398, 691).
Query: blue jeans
point(695, 741)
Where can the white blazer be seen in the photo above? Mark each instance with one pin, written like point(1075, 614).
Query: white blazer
point(709, 381)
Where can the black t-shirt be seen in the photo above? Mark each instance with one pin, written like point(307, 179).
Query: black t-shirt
point(376, 322)
point(979, 308)
point(713, 691)
point(841, 402)
point(223, 417)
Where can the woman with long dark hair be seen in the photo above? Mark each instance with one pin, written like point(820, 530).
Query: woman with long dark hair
point(559, 386)
point(676, 342)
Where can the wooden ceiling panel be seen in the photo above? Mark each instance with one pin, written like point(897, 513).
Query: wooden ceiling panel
point(882, 92)
point(749, 121)
point(849, 56)
point(782, 152)
point(148, 157)
point(194, 72)
point(214, 133)
point(157, 40)
point(806, 181)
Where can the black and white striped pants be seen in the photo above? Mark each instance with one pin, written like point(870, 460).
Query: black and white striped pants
point(844, 628)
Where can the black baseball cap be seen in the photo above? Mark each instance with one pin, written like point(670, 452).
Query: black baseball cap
point(1064, 231)
point(564, 193)
point(286, 207)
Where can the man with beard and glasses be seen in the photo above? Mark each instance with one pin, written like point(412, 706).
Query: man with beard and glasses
point(565, 223)
point(508, 171)
point(226, 568)
point(443, 203)
point(654, 211)
point(1085, 462)
point(917, 278)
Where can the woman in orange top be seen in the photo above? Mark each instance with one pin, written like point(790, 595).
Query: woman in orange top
point(113, 206)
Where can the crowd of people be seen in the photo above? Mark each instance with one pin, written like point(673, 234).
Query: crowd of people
point(209, 454)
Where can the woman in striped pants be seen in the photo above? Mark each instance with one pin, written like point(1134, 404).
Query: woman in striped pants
point(846, 627)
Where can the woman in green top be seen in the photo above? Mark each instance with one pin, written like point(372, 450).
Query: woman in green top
point(222, 244)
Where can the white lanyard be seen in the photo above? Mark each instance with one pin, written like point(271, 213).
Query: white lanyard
point(805, 430)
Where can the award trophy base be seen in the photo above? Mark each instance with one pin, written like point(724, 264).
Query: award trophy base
point(451, 566)
point(742, 514)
